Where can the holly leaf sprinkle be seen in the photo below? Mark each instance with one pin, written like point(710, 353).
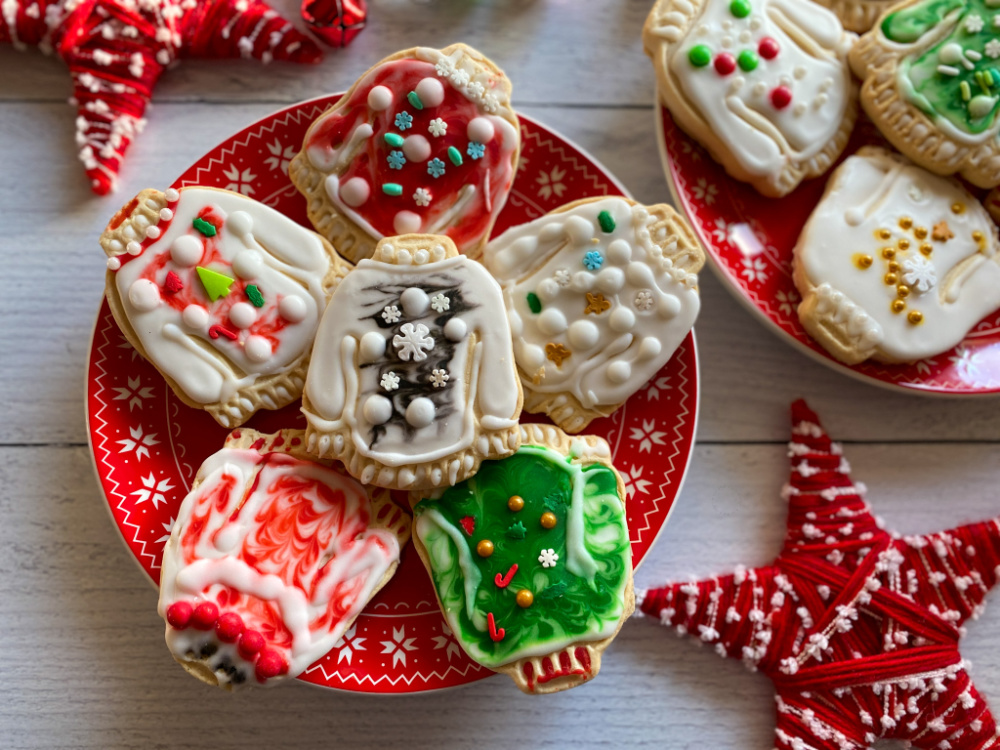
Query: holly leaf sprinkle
point(517, 530)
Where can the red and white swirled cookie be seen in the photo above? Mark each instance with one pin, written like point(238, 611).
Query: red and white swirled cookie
point(425, 142)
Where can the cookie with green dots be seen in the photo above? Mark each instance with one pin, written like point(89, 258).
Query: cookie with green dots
point(531, 560)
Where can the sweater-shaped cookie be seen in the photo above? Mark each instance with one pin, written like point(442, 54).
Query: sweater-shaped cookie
point(412, 381)
point(222, 294)
point(895, 263)
point(857, 15)
point(764, 85)
point(531, 560)
point(932, 84)
point(600, 293)
point(425, 142)
point(270, 560)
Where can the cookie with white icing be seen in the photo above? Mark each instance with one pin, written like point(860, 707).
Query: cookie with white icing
point(600, 293)
point(270, 560)
point(412, 381)
point(531, 561)
point(932, 84)
point(895, 263)
point(425, 142)
point(764, 85)
point(857, 15)
point(222, 294)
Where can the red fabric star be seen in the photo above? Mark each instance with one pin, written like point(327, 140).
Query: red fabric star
point(117, 49)
point(857, 627)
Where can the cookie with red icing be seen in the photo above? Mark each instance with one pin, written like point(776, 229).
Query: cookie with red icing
point(424, 142)
point(221, 293)
point(270, 560)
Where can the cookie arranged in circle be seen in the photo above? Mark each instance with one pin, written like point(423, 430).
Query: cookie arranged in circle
point(412, 381)
point(764, 85)
point(600, 293)
point(221, 293)
point(425, 142)
point(932, 84)
point(857, 15)
point(270, 560)
point(895, 263)
point(531, 560)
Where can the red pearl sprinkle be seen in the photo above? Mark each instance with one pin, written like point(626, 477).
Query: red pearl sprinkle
point(179, 614)
point(229, 627)
point(725, 64)
point(269, 664)
point(781, 97)
point(250, 643)
point(768, 48)
point(204, 616)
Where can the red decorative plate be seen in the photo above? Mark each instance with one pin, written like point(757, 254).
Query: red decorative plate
point(750, 240)
point(147, 445)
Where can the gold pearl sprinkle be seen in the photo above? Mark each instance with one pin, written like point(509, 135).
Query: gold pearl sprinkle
point(958, 208)
point(926, 248)
point(484, 548)
point(920, 233)
point(888, 253)
point(862, 261)
point(978, 236)
point(906, 222)
point(903, 291)
point(893, 266)
point(515, 503)
point(883, 234)
point(915, 317)
point(524, 598)
point(890, 279)
point(549, 520)
point(897, 306)
point(903, 244)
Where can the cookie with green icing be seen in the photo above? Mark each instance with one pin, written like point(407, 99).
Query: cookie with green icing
point(531, 559)
point(931, 71)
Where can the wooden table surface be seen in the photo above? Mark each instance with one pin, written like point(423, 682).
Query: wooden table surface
point(82, 659)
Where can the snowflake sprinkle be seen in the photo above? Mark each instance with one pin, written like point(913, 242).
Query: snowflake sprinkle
point(974, 23)
point(548, 558)
point(993, 48)
point(593, 260)
point(435, 168)
point(444, 68)
point(644, 300)
point(919, 273)
point(437, 127)
point(413, 342)
point(562, 277)
point(390, 381)
point(391, 314)
point(396, 159)
point(422, 197)
point(438, 378)
point(440, 302)
point(459, 77)
point(404, 121)
point(476, 150)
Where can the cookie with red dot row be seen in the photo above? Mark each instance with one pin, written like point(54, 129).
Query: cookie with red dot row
point(764, 85)
point(271, 559)
point(221, 293)
point(425, 142)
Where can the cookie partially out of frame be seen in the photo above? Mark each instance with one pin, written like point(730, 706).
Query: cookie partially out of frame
point(271, 559)
point(531, 561)
point(895, 263)
point(412, 381)
point(222, 294)
point(856, 15)
point(600, 293)
point(931, 84)
point(764, 85)
point(425, 142)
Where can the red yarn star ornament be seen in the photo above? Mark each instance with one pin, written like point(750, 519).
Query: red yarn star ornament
point(336, 22)
point(116, 51)
point(857, 627)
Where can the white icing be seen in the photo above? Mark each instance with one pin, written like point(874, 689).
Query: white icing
point(880, 188)
point(524, 262)
point(144, 295)
point(420, 412)
point(336, 387)
point(480, 130)
point(293, 308)
point(281, 256)
point(187, 250)
point(242, 314)
point(416, 148)
point(377, 409)
point(812, 50)
point(239, 223)
point(355, 191)
point(379, 98)
point(406, 222)
point(430, 91)
point(372, 347)
point(415, 301)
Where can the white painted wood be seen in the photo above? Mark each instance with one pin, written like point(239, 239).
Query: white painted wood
point(82, 662)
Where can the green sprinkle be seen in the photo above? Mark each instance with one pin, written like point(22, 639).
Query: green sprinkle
point(700, 55)
point(534, 304)
point(204, 227)
point(747, 60)
point(392, 188)
point(984, 80)
point(740, 8)
point(455, 155)
point(994, 75)
point(966, 91)
point(216, 284)
point(606, 221)
point(414, 98)
point(517, 530)
point(254, 295)
point(394, 139)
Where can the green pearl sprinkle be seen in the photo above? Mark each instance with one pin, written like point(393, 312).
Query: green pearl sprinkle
point(394, 139)
point(700, 55)
point(455, 155)
point(392, 188)
point(747, 60)
point(740, 8)
point(414, 98)
point(534, 304)
point(607, 222)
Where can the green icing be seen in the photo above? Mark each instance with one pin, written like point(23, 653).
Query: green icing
point(580, 598)
point(944, 81)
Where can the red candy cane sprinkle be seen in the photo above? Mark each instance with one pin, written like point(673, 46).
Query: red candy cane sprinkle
point(217, 330)
point(503, 581)
point(496, 634)
point(229, 627)
point(204, 616)
point(179, 615)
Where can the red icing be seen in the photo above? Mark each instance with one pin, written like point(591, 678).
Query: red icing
point(496, 634)
point(469, 524)
point(768, 48)
point(401, 77)
point(179, 614)
point(503, 581)
point(229, 627)
point(205, 616)
point(781, 97)
point(725, 64)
